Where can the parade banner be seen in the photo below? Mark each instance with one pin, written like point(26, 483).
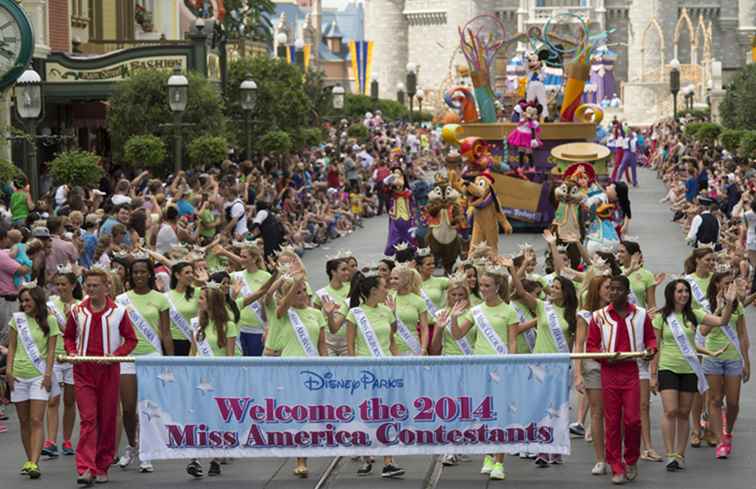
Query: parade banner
point(361, 53)
point(311, 407)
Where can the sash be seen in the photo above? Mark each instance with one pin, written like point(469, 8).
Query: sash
point(300, 331)
point(368, 333)
point(407, 337)
point(729, 331)
point(59, 316)
point(462, 343)
point(24, 334)
point(555, 328)
point(178, 320)
point(255, 306)
point(481, 321)
point(203, 347)
point(429, 303)
point(688, 352)
point(530, 334)
point(139, 322)
point(632, 298)
point(702, 301)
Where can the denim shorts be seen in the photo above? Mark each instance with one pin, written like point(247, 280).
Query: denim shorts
point(726, 368)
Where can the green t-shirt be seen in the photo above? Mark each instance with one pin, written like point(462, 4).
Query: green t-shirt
point(19, 207)
point(149, 306)
point(281, 336)
point(339, 296)
point(450, 346)
point(215, 262)
point(409, 307)
point(522, 343)
point(380, 318)
point(248, 321)
point(23, 368)
point(435, 288)
point(211, 335)
point(544, 339)
point(187, 308)
point(60, 348)
point(670, 357)
point(640, 280)
point(500, 317)
point(475, 299)
point(207, 217)
point(716, 339)
point(703, 284)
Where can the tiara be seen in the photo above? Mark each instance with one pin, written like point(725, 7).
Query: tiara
point(634, 239)
point(497, 270)
point(722, 268)
point(287, 250)
point(121, 254)
point(216, 269)
point(140, 255)
point(194, 256)
point(210, 284)
point(371, 270)
point(64, 269)
point(598, 262)
point(99, 269)
point(422, 252)
point(710, 246)
point(29, 285)
point(562, 248)
point(458, 263)
point(403, 246)
point(244, 244)
point(479, 248)
point(344, 254)
point(525, 246)
point(458, 279)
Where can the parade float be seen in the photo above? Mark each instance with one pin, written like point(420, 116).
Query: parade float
point(547, 86)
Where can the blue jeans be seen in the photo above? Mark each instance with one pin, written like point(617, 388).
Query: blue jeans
point(252, 344)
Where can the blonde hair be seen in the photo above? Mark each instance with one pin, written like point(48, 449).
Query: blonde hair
point(411, 276)
point(457, 281)
point(502, 284)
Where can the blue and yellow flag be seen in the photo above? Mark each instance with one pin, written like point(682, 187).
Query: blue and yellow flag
point(362, 64)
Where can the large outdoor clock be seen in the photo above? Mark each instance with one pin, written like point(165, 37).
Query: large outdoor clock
point(16, 42)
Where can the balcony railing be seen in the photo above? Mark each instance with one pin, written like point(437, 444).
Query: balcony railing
point(542, 14)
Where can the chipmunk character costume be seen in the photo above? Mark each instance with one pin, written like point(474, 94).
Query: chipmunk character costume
point(445, 218)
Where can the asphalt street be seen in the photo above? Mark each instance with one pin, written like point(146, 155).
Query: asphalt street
point(663, 249)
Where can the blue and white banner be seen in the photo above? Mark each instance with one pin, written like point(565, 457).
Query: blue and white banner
point(310, 407)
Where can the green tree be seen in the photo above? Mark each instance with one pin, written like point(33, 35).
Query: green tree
point(357, 105)
point(748, 145)
point(140, 104)
point(691, 129)
point(208, 150)
point(321, 102)
point(276, 143)
point(249, 19)
point(738, 109)
point(8, 171)
point(730, 139)
point(76, 168)
point(708, 132)
point(358, 131)
point(144, 150)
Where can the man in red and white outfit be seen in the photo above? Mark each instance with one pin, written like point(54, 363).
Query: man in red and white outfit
point(621, 327)
point(97, 327)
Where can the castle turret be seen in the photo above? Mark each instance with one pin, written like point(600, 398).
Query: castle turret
point(386, 26)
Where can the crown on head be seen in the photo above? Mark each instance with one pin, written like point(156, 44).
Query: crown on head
point(64, 269)
point(344, 254)
point(495, 269)
point(121, 254)
point(422, 252)
point(213, 285)
point(458, 264)
point(458, 279)
point(371, 270)
point(287, 250)
point(722, 268)
point(711, 245)
point(562, 248)
point(140, 255)
point(634, 239)
point(403, 246)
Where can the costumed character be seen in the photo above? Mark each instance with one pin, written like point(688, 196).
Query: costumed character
point(476, 155)
point(536, 89)
point(527, 136)
point(400, 214)
point(487, 215)
point(602, 236)
point(567, 215)
point(519, 110)
point(420, 191)
point(445, 217)
point(462, 100)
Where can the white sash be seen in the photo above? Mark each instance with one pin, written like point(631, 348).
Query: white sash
point(462, 343)
point(530, 334)
point(178, 320)
point(203, 347)
point(255, 306)
point(139, 322)
point(555, 328)
point(729, 331)
point(429, 303)
point(703, 302)
point(24, 334)
point(300, 331)
point(59, 315)
point(368, 333)
point(407, 337)
point(688, 352)
point(632, 298)
point(481, 321)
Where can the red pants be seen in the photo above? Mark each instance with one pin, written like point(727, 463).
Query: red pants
point(97, 399)
point(619, 153)
point(621, 406)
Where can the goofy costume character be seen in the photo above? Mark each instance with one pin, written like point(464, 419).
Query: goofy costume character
point(401, 218)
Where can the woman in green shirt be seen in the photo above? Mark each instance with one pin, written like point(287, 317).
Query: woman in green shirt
point(443, 341)
point(148, 311)
point(31, 351)
point(183, 306)
point(339, 274)
point(69, 293)
point(471, 275)
point(252, 320)
point(679, 375)
point(410, 310)
point(493, 321)
point(433, 289)
point(726, 372)
point(370, 333)
point(21, 202)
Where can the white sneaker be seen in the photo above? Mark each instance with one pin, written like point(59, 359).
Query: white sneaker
point(600, 469)
point(448, 460)
point(145, 467)
point(488, 465)
point(498, 474)
point(127, 457)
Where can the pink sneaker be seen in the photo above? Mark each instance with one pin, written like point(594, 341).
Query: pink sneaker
point(727, 443)
point(3, 428)
point(721, 451)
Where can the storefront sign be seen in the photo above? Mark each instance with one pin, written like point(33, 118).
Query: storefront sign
point(57, 73)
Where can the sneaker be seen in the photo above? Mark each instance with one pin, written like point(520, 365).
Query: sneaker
point(85, 479)
point(671, 464)
point(555, 459)
point(721, 451)
point(727, 442)
point(588, 437)
point(127, 458)
point(194, 469)
point(365, 469)
point(600, 468)
point(50, 449)
point(145, 467)
point(488, 465)
point(631, 472)
point(462, 458)
point(448, 460)
point(680, 462)
point(577, 429)
point(101, 479)
point(25, 468)
point(68, 448)
point(214, 469)
point(390, 471)
point(619, 479)
point(33, 471)
point(3, 428)
point(541, 461)
point(497, 473)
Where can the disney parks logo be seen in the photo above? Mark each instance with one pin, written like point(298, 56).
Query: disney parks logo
point(366, 380)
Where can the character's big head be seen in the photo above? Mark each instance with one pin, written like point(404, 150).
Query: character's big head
point(398, 180)
point(481, 186)
point(534, 62)
point(443, 192)
point(472, 148)
point(568, 191)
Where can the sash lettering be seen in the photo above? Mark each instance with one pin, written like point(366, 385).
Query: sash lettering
point(407, 337)
point(59, 315)
point(700, 297)
point(178, 320)
point(485, 327)
point(367, 331)
point(555, 327)
point(300, 331)
point(255, 306)
point(429, 303)
point(530, 334)
point(688, 352)
point(25, 335)
point(139, 322)
point(203, 347)
point(462, 343)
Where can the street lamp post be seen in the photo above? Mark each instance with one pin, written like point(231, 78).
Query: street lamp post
point(411, 84)
point(420, 96)
point(178, 87)
point(400, 93)
point(299, 45)
point(29, 108)
point(690, 93)
point(674, 84)
point(281, 40)
point(248, 89)
point(374, 90)
point(338, 97)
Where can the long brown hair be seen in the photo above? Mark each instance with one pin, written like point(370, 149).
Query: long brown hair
point(698, 253)
point(217, 314)
point(593, 295)
point(39, 298)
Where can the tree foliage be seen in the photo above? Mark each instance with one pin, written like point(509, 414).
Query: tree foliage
point(730, 139)
point(140, 105)
point(207, 150)
point(276, 143)
point(8, 171)
point(708, 132)
point(738, 109)
point(358, 105)
point(144, 150)
point(691, 129)
point(748, 145)
point(76, 168)
point(358, 131)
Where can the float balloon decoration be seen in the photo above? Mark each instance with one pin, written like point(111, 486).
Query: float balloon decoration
point(480, 39)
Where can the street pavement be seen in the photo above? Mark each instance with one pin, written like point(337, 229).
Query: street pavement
point(663, 249)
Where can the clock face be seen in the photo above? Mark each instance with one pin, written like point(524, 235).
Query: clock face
point(10, 40)
point(16, 42)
